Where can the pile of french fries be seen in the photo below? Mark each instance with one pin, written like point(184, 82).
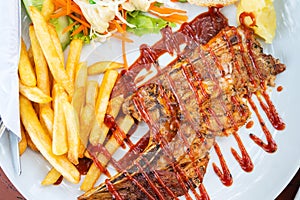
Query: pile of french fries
point(62, 110)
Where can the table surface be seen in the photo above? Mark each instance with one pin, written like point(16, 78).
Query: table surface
point(9, 192)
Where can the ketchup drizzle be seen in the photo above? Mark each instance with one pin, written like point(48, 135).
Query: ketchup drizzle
point(113, 190)
point(170, 43)
point(244, 161)
point(224, 174)
point(271, 112)
point(271, 146)
point(138, 101)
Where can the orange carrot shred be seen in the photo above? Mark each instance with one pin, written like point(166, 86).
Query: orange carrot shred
point(68, 7)
point(79, 20)
point(165, 10)
point(78, 30)
point(68, 28)
point(118, 26)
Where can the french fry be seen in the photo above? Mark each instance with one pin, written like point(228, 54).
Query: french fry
point(47, 9)
point(91, 92)
point(105, 90)
point(72, 123)
point(52, 176)
point(73, 57)
point(81, 75)
point(30, 55)
point(29, 142)
point(23, 141)
point(113, 110)
point(87, 119)
point(59, 136)
point(43, 142)
point(112, 145)
point(56, 42)
point(41, 67)
point(26, 72)
point(78, 99)
point(46, 119)
point(34, 94)
point(103, 66)
point(55, 62)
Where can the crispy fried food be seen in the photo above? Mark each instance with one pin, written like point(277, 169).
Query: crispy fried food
point(52, 177)
point(34, 94)
point(47, 9)
point(105, 90)
point(78, 99)
point(40, 63)
point(26, 72)
point(59, 135)
point(87, 120)
point(72, 123)
point(55, 62)
point(46, 118)
point(112, 145)
point(23, 141)
point(103, 66)
point(43, 142)
point(73, 57)
point(91, 92)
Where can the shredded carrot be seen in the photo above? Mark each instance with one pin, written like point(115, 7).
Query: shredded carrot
point(80, 20)
point(73, 6)
point(165, 10)
point(173, 15)
point(60, 12)
point(118, 26)
point(78, 30)
point(68, 7)
point(173, 18)
point(68, 28)
point(122, 37)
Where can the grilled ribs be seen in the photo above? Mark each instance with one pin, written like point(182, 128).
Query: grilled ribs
point(201, 96)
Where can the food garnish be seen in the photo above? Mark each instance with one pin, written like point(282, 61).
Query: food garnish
point(264, 17)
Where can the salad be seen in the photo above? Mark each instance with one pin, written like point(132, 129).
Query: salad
point(101, 19)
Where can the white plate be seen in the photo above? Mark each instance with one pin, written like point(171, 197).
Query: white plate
point(271, 173)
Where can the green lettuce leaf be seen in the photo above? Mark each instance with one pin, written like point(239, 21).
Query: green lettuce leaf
point(145, 24)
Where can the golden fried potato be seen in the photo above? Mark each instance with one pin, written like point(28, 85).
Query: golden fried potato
point(43, 142)
point(50, 50)
point(26, 71)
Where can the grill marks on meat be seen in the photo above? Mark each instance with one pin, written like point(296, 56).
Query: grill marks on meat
point(199, 97)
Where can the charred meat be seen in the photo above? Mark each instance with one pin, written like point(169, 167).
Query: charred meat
point(201, 96)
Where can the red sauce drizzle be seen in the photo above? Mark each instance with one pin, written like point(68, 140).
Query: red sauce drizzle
point(59, 180)
point(279, 88)
point(271, 112)
point(193, 34)
point(224, 174)
point(244, 161)
point(139, 103)
point(204, 195)
point(118, 134)
point(84, 165)
point(113, 190)
point(250, 124)
point(134, 152)
point(139, 185)
point(152, 185)
point(271, 146)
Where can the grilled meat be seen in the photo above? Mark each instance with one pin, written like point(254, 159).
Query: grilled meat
point(199, 97)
